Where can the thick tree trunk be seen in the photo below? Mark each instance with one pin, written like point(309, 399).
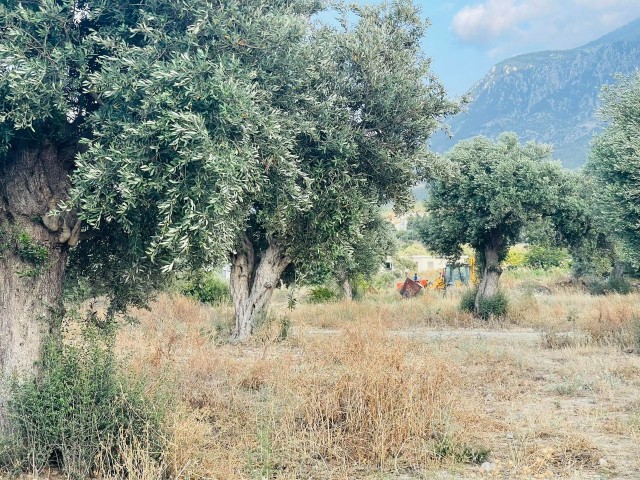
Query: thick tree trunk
point(617, 272)
point(490, 276)
point(32, 257)
point(252, 284)
point(347, 290)
point(345, 285)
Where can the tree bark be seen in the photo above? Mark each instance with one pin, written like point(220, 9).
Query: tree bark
point(345, 285)
point(347, 290)
point(490, 275)
point(617, 272)
point(33, 178)
point(253, 282)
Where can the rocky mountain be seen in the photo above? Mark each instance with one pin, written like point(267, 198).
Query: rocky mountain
point(550, 96)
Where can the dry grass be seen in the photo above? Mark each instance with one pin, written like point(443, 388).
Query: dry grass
point(312, 407)
point(386, 388)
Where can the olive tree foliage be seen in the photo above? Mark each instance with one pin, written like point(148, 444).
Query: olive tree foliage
point(171, 118)
point(360, 259)
point(376, 105)
point(169, 135)
point(614, 162)
point(490, 191)
point(599, 252)
point(378, 242)
point(198, 127)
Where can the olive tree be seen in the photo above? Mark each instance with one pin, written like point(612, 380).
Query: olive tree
point(141, 137)
point(362, 258)
point(135, 135)
point(371, 104)
point(599, 251)
point(615, 164)
point(487, 192)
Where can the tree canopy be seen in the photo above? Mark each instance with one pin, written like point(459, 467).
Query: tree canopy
point(615, 163)
point(488, 192)
point(204, 131)
point(362, 258)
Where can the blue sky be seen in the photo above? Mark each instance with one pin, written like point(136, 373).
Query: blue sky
point(467, 37)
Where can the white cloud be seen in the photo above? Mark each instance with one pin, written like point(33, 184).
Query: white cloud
point(493, 18)
point(506, 27)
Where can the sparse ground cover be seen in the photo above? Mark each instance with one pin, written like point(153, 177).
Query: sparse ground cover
point(386, 388)
point(399, 389)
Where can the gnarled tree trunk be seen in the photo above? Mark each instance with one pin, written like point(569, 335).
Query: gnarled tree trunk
point(33, 178)
point(253, 281)
point(491, 272)
point(345, 285)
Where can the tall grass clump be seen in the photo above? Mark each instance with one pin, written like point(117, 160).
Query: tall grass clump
point(615, 321)
point(83, 417)
point(385, 406)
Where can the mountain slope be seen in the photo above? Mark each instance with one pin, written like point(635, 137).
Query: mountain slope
point(549, 96)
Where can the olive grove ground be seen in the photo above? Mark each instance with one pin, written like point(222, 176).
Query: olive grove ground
point(393, 389)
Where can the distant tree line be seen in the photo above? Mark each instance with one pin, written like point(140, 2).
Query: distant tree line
point(492, 194)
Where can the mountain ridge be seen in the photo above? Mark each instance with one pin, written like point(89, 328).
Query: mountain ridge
point(548, 96)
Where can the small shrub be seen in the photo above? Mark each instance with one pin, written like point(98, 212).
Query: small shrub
point(284, 328)
point(597, 286)
point(360, 286)
point(383, 280)
point(468, 300)
point(495, 306)
point(621, 285)
point(516, 257)
point(322, 294)
point(80, 415)
point(446, 448)
point(206, 287)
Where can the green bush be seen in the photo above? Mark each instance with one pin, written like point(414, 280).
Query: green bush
point(206, 287)
point(360, 286)
point(322, 294)
point(445, 448)
point(80, 415)
point(621, 285)
point(516, 257)
point(383, 280)
point(543, 256)
point(493, 306)
point(468, 300)
point(597, 286)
